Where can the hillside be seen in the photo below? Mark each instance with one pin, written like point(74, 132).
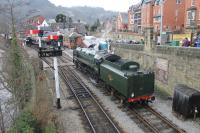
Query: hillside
point(49, 10)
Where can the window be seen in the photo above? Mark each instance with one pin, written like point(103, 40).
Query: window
point(190, 17)
point(157, 2)
point(178, 1)
point(193, 3)
point(157, 19)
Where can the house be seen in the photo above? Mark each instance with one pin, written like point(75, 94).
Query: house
point(192, 14)
point(122, 22)
point(51, 21)
point(173, 15)
point(37, 21)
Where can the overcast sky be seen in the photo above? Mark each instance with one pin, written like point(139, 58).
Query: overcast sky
point(114, 5)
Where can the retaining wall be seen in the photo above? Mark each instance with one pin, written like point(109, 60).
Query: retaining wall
point(172, 65)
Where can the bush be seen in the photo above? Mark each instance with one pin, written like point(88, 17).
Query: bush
point(50, 128)
point(25, 123)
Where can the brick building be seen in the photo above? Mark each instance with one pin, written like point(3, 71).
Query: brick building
point(147, 14)
point(173, 15)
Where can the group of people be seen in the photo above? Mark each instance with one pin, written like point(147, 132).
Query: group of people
point(187, 43)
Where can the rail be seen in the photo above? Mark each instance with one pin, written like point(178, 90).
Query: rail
point(96, 116)
point(154, 120)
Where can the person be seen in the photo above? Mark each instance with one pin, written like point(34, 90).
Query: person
point(142, 41)
point(197, 43)
point(186, 42)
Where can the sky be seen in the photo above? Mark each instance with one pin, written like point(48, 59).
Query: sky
point(113, 5)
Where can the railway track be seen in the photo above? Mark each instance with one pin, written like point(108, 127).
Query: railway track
point(97, 118)
point(149, 119)
point(152, 120)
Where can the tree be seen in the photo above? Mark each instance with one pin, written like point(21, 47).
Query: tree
point(98, 24)
point(70, 21)
point(17, 68)
point(61, 18)
point(2, 127)
point(93, 28)
point(87, 27)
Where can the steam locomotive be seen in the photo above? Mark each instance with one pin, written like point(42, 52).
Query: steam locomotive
point(124, 77)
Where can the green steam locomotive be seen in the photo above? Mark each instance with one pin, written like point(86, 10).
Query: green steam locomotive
point(122, 76)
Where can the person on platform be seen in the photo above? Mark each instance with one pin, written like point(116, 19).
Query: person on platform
point(186, 42)
point(197, 42)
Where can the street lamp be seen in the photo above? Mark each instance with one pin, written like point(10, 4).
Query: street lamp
point(161, 20)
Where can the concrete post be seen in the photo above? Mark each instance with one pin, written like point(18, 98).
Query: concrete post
point(149, 43)
point(57, 82)
point(39, 38)
point(59, 47)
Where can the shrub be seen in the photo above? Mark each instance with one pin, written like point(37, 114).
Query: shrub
point(25, 123)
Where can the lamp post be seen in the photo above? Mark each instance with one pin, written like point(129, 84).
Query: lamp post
point(193, 34)
point(161, 20)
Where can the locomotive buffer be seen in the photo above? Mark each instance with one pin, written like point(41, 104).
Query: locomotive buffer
point(52, 53)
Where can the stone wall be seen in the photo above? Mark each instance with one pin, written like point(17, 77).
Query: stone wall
point(172, 65)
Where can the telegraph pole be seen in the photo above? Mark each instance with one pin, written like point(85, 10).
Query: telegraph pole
point(161, 20)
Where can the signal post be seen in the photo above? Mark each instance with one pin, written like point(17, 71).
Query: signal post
point(52, 53)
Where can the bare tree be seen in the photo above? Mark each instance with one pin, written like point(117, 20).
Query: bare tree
point(17, 67)
point(2, 127)
point(8, 11)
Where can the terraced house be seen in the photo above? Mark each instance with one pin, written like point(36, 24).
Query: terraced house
point(147, 14)
point(173, 14)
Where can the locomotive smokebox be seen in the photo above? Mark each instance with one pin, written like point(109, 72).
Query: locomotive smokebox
point(186, 101)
